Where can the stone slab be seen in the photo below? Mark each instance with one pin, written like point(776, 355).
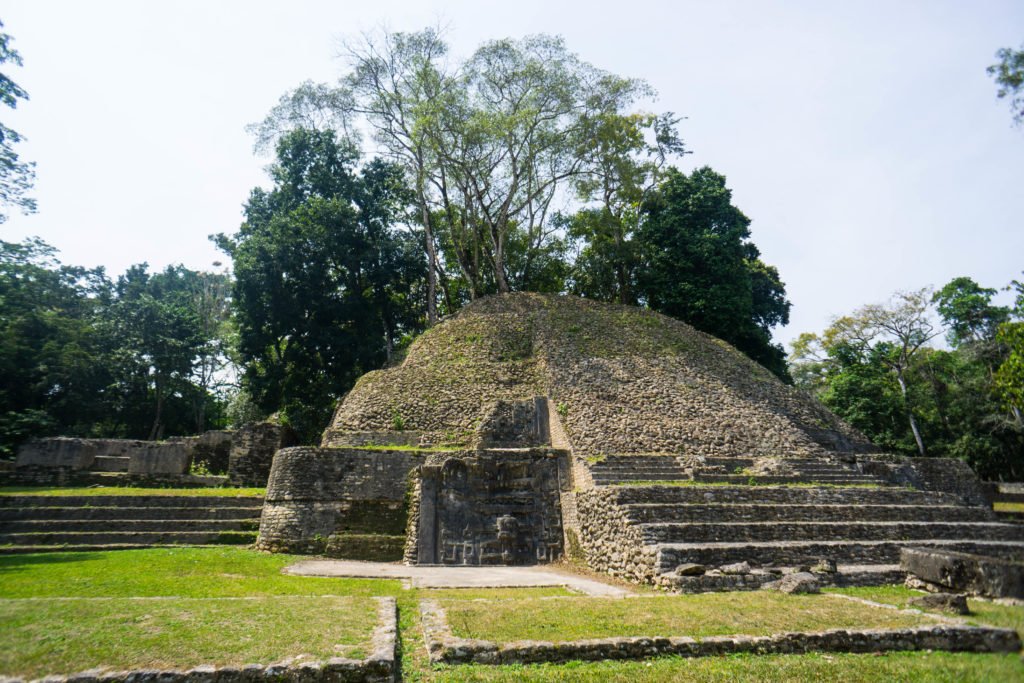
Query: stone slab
point(977, 574)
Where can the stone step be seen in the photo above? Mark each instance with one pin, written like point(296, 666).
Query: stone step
point(788, 553)
point(643, 468)
point(110, 463)
point(635, 460)
point(603, 479)
point(631, 472)
point(758, 512)
point(142, 538)
point(805, 495)
point(762, 479)
point(23, 501)
point(735, 532)
point(116, 512)
point(139, 525)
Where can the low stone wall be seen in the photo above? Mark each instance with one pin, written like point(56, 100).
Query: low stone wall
point(445, 648)
point(70, 461)
point(319, 497)
point(379, 667)
point(962, 572)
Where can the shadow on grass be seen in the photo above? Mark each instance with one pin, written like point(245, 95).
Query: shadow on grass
point(24, 561)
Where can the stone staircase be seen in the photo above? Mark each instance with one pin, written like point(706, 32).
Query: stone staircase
point(808, 511)
point(75, 523)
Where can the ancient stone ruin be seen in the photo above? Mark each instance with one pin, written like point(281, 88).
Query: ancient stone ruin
point(529, 428)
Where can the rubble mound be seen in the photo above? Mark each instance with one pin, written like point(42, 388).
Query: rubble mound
point(621, 380)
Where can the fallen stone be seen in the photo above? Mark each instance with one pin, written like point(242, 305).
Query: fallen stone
point(947, 602)
point(798, 583)
point(690, 569)
point(736, 568)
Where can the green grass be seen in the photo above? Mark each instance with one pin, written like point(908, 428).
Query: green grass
point(982, 611)
point(913, 667)
point(496, 593)
point(65, 636)
point(42, 632)
point(185, 572)
point(708, 614)
point(131, 491)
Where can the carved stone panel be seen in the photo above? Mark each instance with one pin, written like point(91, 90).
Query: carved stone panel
point(491, 508)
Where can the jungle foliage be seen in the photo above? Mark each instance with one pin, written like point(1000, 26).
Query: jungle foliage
point(877, 369)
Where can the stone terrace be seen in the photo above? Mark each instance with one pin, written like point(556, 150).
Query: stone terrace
point(73, 523)
point(814, 510)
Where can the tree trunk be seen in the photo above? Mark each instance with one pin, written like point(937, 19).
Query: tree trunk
point(499, 264)
point(157, 429)
point(910, 414)
point(431, 260)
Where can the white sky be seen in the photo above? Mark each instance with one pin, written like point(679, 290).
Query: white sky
point(864, 139)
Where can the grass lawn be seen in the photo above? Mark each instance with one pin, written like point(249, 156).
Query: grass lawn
point(182, 572)
point(982, 611)
point(708, 614)
point(45, 632)
point(130, 491)
point(914, 667)
point(496, 593)
point(64, 636)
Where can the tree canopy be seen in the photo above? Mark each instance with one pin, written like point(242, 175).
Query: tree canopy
point(139, 357)
point(326, 283)
point(16, 175)
point(1008, 73)
point(877, 369)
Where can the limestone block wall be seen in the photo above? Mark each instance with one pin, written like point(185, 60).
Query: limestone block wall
point(611, 543)
point(945, 475)
point(58, 452)
point(522, 424)
point(63, 461)
point(252, 452)
point(322, 500)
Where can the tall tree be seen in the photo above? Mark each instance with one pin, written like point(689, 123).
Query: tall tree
point(1008, 73)
point(487, 147)
point(1009, 377)
point(325, 282)
point(626, 163)
point(903, 326)
point(698, 265)
point(16, 176)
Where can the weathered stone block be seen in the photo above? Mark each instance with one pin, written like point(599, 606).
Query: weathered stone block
point(976, 574)
point(77, 454)
point(160, 458)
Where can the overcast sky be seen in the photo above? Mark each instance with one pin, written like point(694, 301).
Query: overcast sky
point(864, 139)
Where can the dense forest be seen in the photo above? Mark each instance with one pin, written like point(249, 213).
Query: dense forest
point(413, 186)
